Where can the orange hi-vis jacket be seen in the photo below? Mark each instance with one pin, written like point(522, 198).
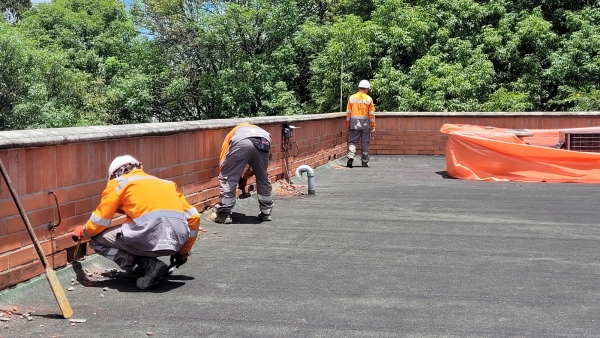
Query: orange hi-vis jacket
point(141, 197)
point(239, 132)
point(360, 112)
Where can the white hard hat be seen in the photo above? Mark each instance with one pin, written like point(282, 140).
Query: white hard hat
point(119, 162)
point(364, 84)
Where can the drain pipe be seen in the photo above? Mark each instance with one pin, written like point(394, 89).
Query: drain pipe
point(311, 177)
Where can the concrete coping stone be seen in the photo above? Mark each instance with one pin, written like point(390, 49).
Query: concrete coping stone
point(55, 136)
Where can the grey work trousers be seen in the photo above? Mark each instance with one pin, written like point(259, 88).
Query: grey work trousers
point(364, 136)
point(238, 156)
point(109, 243)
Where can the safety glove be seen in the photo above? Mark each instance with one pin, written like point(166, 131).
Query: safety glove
point(178, 259)
point(77, 233)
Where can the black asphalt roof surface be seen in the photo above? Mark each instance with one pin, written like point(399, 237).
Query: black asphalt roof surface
point(394, 250)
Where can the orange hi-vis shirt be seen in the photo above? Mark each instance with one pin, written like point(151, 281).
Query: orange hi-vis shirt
point(140, 196)
point(360, 112)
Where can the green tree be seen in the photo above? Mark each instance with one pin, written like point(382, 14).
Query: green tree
point(575, 65)
point(235, 58)
point(17, 61)
point(520, 49)
point(92, 72)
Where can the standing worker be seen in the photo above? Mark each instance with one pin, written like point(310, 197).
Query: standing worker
point(159, 222)
point(246, 144)
point(360, 120)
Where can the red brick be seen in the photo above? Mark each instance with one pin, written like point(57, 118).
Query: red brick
point(85, 206)
point(37, 201)
point(62, 165)
point(41, 217)
point(95, 189)
point(10, 278)
point(48, 247)
point(8, 208)
point(58, 260)
point(64, 242)
point(15, 224)
point(33, 270)
point(49, 172)
point(75, 221)
point(69, 166)
point(3, 263)
point(40, 232)
point(66, 210)
point(37, 156)
point(4, 193)
point(10, 242)
point(20, 257)
point(76, 192)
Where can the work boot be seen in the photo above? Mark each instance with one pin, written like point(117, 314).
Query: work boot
point(154, 269)
point(365, 164)
point(264, 217)
point(223, 219)
point(349, 164)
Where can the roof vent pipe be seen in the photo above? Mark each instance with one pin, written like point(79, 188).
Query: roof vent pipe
point(311, 177)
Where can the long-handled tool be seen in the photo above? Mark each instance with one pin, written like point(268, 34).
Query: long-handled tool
point(76, 252)
point(57, 289)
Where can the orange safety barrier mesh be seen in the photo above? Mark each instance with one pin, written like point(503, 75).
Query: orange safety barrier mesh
point(498, 154)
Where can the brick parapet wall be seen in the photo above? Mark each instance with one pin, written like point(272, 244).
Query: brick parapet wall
point(72, 163)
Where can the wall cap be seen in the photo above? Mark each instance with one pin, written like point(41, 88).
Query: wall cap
point(488, 114)
point(55, 136)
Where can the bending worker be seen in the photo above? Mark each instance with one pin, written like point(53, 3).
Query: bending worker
point(159, 222)
point(360, 120)
point(246, 144)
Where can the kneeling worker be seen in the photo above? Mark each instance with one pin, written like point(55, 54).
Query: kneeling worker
point(159, 222)
point(246, 144)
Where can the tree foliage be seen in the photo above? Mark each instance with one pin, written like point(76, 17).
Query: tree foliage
point(82, 62)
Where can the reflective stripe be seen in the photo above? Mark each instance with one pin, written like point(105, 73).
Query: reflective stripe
point(99, 220)
point(112, 252)
point(264, 198)
point(191, 212)
point(353, 100)
point(124, 180)
point(160, 213)
point(194, 233)
point(227, 200)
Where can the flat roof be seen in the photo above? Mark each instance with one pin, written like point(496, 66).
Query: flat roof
point(396, 249)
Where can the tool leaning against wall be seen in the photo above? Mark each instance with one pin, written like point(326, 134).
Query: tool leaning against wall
point(57, 289)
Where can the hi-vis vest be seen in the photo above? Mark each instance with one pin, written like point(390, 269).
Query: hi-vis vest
point(142, 198)
point(240, 132)
point(360, 112)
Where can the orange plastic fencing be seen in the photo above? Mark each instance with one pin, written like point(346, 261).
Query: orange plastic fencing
point(498, 154)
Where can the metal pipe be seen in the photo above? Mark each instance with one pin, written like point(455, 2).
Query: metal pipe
point(311, 177)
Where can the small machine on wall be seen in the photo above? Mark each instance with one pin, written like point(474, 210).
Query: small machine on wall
point(288, 130)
